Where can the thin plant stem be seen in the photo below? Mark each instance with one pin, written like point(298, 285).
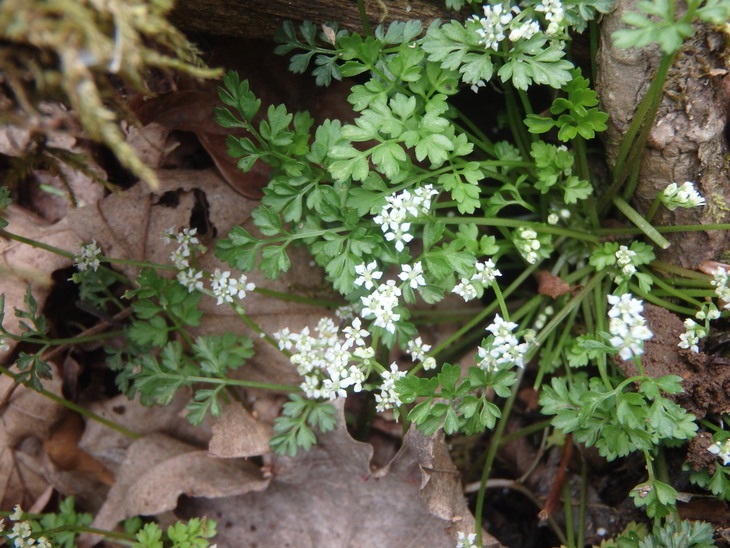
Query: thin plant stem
point(77, 408)
point(492, 453)
point(636, 218)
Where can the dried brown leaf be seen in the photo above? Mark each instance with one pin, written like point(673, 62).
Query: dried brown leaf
point(551, 285)
point(331, 498)
point(27, 417)
point(158, 469)
point(238, 434)
point(22, 264)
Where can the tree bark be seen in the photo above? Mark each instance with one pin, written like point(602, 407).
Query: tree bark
point(261, 18)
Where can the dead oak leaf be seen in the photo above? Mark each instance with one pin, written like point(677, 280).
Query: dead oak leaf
point(22, 265)
point(26, 418)
point(329, 497)
point(158, 469)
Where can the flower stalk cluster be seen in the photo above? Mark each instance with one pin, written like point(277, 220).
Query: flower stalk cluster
point(627, 325)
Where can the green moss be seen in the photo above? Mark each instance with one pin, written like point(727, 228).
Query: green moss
point(66, 50)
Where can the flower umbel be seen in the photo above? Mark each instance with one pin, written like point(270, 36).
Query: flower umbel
point(627, 325)
point(89, 258)
point(685, 196)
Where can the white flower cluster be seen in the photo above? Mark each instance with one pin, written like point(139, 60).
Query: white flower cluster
point(554, 14)
point(722, 450)
point(418, 350)
point(325, 361)
point(625, 261)
point(89, 258)
point(466, 541)
point(381, 304)
point(720, 281)
point(694, 332)
point(188, 245)
point(691, 337)
point(554, 218)
point(494, 23)
point(227, 289)
point(412, 275)
point(627, 325)
point(388, 397)
point(504, 349)
point(500, 18)
point(527, 244)
point(400, 207)
point(471, 288)
point(21, 532)
point(685, 196)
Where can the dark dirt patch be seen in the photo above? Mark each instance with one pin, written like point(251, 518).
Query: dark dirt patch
point(706, 378)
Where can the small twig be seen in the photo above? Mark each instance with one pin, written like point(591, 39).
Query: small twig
point(554, 497)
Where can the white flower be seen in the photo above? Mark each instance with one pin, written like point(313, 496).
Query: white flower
point(625, 261)
point(720, 281)
point(554, 13)
point(486, 273)
point(684, 196)
point(527, 244)
point(417, 349)
point(465, 289)
point(188, 245)
point(722, 450)
point(368, 274)
point(227, 289)
point(17, 514)
point(89, 258)
point(354, 334)
point(466, 541)
point(191, 279)
point(553, 219)
point(524, 31)
point(388, 397)
point(413, 274)
point(691, 337)
point(627, 325)
point(381, 304)
point(400, 236)
point(493, 24)
point(504, 348)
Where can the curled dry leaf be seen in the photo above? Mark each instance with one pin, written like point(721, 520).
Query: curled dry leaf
point(329, 497)
point(238, 434)
point(22, 264)
point(110, 446)
point(27, 417)
point(551, 285)
point(158, 469)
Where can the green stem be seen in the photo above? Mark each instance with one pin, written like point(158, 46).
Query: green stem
point(525, 431)
point(77, 408)
point(68, 340)
point(653, 208)
point(324, 303)
point(364, 18)
point(652, 298)
point(239, 382)
point(492, 453)
point(40, 245)
point(479, 318)
point(515, 223)
point(679, 271)
point(634, 216)
point(568, 509)
point(631, 143)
